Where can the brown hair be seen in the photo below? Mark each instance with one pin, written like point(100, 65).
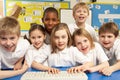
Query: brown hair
point(60, 26)
point(9, 25)
point(110, 27)
point(85, 33)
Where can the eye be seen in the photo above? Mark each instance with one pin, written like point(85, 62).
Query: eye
point(3, 38)
point(39, 36)
point(85, 40)
point(32, 37)
point(109, 36)
point(12, 38)
point(102, 36)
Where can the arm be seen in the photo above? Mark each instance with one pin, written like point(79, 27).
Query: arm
point(10, 73)
point(18, 64)
point(109, 70)
point(83, 67)
point(98, 67)
point(39, 66)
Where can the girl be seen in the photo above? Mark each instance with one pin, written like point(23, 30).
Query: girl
point(36, 38)
point(63, 54)
point(84, 42)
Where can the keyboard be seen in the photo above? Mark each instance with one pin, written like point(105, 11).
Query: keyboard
point(63, 75)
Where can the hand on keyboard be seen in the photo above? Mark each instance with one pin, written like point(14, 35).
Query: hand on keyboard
point(53, 70)
point(74, 69)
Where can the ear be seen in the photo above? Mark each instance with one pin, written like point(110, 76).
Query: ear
point(58, 21)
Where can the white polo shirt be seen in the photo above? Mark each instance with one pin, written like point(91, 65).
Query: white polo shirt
point(114, 52)
point(8, 59)
point(67, 57)
point(97, 55)
point(32, 53)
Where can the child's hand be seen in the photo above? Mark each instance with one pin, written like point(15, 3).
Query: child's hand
point(18, 66)
point(53, 70)
point(106, 71)
point(92, 69)
point(74, 69)
point(24, 68)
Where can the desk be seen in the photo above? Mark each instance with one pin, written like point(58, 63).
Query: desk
point(91, 76)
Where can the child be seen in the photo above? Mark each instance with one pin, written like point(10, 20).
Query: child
point(92, 50)
point(63, 54)
point(50, 19)
point(80, 14)
point(108, 37)
point(37, 37)
point(12, 47)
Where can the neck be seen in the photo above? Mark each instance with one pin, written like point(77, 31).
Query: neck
point(49, 32)
point(81, 25)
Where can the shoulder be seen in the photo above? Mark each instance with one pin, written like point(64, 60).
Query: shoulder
point(72, 25)
point(87, 26)
point(23, 43)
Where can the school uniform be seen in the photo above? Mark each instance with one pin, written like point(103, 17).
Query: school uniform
point(114, 52)
point(67, 57)
point(90, 29)
point(97, 54)
point(32, 53)
point(8, 59)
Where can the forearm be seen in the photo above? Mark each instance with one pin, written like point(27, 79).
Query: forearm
point(116, 66)
point(100, 66)
point(88, 64)
point(7, 74)
point(20, 61)
point(39, 66)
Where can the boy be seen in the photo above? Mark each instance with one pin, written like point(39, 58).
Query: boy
point(12, 47)
point(50, 19)
point(80, 14)
point(108, 38)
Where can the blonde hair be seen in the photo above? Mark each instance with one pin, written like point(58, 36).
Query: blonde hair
point(80, 4)
point(60, 26)
point(110, 27)
point(85, 33)
point(9, 25)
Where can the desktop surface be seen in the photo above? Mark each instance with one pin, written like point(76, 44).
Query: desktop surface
point(91, 76)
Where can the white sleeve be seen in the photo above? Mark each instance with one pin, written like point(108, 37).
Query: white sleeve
point(101, 56)
point(80, 58)
point(117, 51)
point(29, 57)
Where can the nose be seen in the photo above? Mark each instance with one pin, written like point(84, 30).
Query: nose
point(8, 42)
point(105, 39)
point(60, 39)
point(36, 40)
point(50, 22)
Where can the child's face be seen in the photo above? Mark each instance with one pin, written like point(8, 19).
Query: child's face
point(82, 43)
point(61, 39)
point(107, 40)
point(80, 15)
point(9, 42)
point(37, 38)
point(50, 20)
